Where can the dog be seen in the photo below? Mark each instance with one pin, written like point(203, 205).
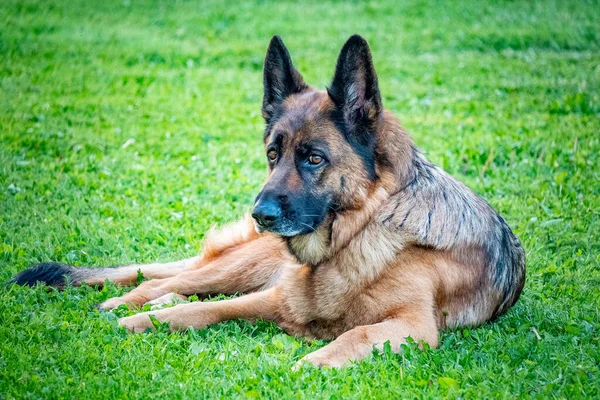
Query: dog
point(355, 237)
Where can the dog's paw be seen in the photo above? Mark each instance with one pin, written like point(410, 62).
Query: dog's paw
point(111, 304)
point(136, 323)
point(169, 299)
point(322, 358)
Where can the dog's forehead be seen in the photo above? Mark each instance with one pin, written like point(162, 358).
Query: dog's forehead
point(308, 102)
point(304, 115)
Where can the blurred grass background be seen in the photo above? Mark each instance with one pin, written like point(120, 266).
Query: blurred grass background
point(128, 128)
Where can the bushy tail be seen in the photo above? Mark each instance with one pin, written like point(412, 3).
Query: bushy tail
point(508, 268)
point(50, 273)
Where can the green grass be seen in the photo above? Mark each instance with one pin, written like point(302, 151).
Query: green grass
point(503, 95)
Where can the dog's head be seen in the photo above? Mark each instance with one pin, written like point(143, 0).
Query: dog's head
point(320, 145)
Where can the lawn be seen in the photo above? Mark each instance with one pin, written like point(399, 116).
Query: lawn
point(129, 128)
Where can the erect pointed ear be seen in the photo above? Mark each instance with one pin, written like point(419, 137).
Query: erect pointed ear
point(280, 78)
point(354, 89)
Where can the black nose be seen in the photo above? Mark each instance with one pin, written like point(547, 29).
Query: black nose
point(266, 212)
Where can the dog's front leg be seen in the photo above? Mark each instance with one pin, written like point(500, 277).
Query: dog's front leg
point(358, 343)
point(199, 315)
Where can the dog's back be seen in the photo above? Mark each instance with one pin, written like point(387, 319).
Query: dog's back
point(440, 213)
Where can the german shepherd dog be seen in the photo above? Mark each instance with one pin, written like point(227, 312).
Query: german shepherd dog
point(355, 237)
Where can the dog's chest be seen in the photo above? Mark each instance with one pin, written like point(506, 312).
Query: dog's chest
point(325, 303)
point(349, 289)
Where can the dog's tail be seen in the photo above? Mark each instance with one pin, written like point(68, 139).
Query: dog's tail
point(51, 274)
point(59, 275)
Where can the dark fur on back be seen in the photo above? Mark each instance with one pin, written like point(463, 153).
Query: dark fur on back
point(439, 212)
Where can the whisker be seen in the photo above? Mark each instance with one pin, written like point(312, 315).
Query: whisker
point(313, 229)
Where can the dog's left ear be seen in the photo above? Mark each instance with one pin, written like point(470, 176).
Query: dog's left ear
point(354, 89)
point(280, 78)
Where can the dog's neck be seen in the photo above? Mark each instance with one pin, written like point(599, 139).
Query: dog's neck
point(337, 230)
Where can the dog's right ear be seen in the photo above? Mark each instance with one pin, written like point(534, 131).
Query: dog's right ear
point(280, 78)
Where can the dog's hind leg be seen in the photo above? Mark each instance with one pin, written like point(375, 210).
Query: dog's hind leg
point(58, 274)
point(416, 321)
point(249, 267)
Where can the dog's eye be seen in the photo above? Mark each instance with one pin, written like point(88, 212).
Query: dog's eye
point(272, 155)
point(315, 159)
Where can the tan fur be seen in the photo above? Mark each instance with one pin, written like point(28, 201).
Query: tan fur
point(201, 314)
point(128, 275)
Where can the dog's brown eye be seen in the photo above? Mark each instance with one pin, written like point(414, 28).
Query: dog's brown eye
point(272, 155)
point(315, 159)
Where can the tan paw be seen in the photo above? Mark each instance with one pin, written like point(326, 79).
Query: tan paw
point(136, 323)
point(167, 299)
point(322, 358)
point(111, 304)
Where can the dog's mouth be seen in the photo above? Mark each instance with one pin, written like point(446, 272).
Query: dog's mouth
point(284, 228)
